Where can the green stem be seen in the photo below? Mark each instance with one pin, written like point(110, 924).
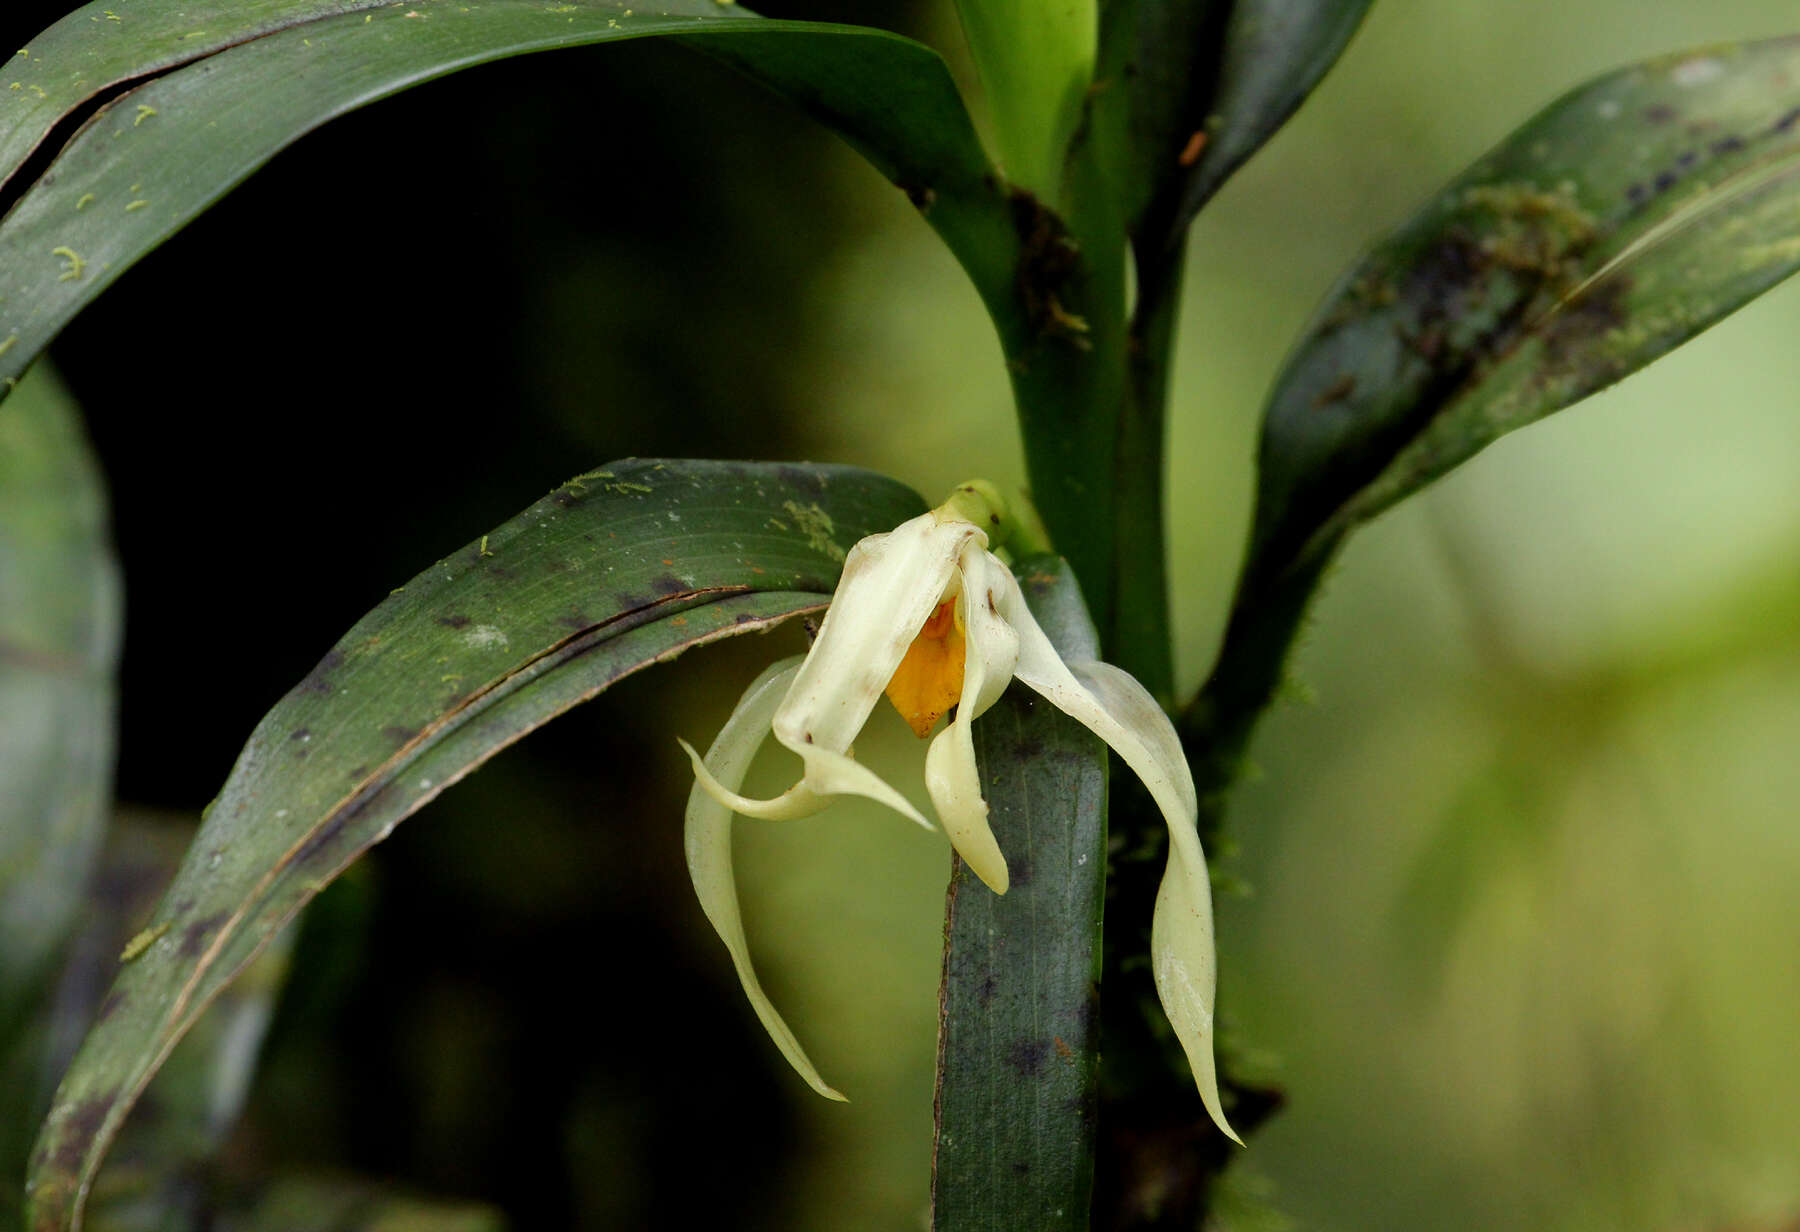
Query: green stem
point(1069, 381)
point(1142, 643)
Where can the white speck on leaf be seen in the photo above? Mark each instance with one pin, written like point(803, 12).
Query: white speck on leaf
point(486, 637)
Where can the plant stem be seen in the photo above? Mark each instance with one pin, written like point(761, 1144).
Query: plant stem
point(1140, 565)
point(1069, 380)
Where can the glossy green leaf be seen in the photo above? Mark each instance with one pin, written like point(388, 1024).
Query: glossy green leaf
point(1274, 52)
point(1209, 81)
point(1019, 1026)
point(1036, 60)
point(227, 86)
point(1623, 219)
point(620, 568)
point(59, 637)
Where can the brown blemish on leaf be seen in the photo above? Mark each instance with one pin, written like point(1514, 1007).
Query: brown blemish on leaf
point(1027, 1057)
point(322, 836)
point(808, 483)
point(318, 680)
point(1569, 333)
point(399, 734)
point(1659, 113)
point(455, 621)
point(110, 1005)
point(77, 1131)
point(1337, 391)
point(196, 936)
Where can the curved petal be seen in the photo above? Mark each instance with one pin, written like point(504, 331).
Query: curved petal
point(838, 774)
point(1183, 955)
point(890, 585)
point(1115, 707)
point(796, 802)
point(987, 634)
point(708, 843)
point(950, 772)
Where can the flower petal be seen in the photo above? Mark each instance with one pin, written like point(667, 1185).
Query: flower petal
point(992, 649)
point(1183, 954)
point(708, 842)
point(988, 635)
point(891, 583)
point(1115, 707)
point(796, 802)
point(838, 774)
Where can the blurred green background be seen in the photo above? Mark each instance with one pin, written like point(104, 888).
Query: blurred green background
point(1520, 942)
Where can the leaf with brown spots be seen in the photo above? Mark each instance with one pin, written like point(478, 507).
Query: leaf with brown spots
point(1623, 219)
point(1018, 1036)
point(382, 735)
point(1620, 221)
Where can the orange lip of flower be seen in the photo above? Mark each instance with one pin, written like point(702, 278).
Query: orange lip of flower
point(929, 679)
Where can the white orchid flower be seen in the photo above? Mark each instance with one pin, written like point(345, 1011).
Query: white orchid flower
point(928, 615)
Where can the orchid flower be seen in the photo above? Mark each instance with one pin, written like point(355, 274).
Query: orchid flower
point(927, 614)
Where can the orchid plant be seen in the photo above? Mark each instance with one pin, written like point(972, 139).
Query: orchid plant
point(928, 615)
point(1595, 238)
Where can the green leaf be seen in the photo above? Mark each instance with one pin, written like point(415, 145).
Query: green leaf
point(1036, 61)
point(617, 569)
point(229, 85)
point(1209, 81)
point(1622, 220)
point(1018, 1035)
point(59, 638)
point(158, 1178)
